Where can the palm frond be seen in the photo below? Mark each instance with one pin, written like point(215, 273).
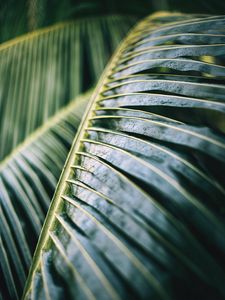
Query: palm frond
point(139, 209)
point(41, 71)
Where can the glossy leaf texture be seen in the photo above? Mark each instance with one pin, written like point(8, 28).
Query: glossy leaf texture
point(28, 178)
point(139, 209)
point(42, 71)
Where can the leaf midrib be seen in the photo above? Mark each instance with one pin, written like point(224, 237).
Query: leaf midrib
point(61, 186)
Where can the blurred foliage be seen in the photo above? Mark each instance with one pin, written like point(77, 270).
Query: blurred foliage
point(42, 71)
point(18, 17)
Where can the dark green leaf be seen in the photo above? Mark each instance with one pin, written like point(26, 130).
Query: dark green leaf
point(139, 209)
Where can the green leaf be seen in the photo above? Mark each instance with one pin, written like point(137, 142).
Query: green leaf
point(138, 212)
point(42, 71)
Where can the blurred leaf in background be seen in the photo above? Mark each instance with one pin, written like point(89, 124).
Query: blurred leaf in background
point(18, 17)
point(42, 71)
